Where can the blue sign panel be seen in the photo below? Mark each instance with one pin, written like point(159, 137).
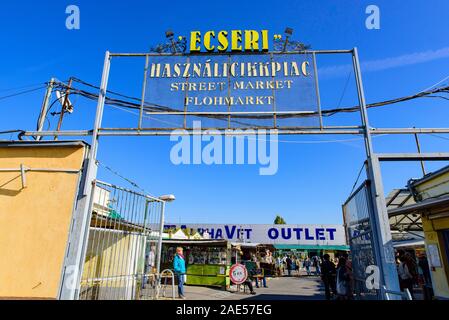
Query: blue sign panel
point(268, 90)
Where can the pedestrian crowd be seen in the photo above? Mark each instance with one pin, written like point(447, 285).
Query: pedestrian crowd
point(336, 274)
point(413, 273)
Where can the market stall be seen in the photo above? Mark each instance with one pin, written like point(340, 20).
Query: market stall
point(208, 261)
point(260, 253)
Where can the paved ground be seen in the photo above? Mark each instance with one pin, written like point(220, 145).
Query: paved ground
point(286, 288)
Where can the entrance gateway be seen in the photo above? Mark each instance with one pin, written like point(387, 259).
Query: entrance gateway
point(245, 86)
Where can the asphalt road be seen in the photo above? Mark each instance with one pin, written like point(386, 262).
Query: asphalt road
point(285, 288)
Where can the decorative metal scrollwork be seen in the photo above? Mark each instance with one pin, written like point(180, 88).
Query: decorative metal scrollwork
point(287, 45)
point(174, 46)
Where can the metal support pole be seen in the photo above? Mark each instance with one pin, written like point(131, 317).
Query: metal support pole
point(317, 88)
point(23, 175)
point(64, 107)
point(144, 86)
point(418, 147)
point(44, 108)
point(159, 244)
point(382, 241)
point(79, 235)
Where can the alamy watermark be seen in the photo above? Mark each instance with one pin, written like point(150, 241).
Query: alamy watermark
point(73, 20)
point(372, 22)
point(372, 281)
point(233, 147)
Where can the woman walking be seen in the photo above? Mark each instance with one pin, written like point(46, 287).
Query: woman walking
point(179, 266)
point(343, 281)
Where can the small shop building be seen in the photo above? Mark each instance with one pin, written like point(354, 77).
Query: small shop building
point(428, 212)
point(208, 261)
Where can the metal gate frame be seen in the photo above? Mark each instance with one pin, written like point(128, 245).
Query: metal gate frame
point(383, 241)
point(357, 216)
point(124, 223)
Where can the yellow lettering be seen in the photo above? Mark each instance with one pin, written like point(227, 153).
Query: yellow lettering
point(251, 40)
point(265, 42)
point(195, 39)
point(223, 41)
point(207, 40)
point(236, 40)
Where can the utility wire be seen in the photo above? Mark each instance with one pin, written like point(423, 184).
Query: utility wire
point(438, 136)
point(23, 87)
point(344, 89)
point(358, 178)
point(21, 93)
point(121, 176)
point(11, 131)
point(151, 107)
point(434, 85)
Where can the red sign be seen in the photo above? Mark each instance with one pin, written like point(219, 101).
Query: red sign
point(238, 274)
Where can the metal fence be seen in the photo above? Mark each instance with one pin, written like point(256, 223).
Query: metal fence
point(357, 211)
point(123, 250)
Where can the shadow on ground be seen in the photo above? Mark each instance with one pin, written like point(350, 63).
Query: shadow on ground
point(283, 297)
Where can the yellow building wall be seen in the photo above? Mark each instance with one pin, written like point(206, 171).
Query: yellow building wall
point(439, 275)
point(35, 220)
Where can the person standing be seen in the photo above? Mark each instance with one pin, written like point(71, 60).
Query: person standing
point(405, 277)
point(289, 263)
point(253, 257)
point(316, 265)
point(298, 266)
point(328, 272)
point(426, 278)
point(343, 280)
point(307, 264)
point(412, 266)
point(268, 257)
point(259, 274)
point(350, 272)
point(150, 270)
point(179, 266)
point(278, 265)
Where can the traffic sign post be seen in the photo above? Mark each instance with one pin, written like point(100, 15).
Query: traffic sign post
point(238, 274)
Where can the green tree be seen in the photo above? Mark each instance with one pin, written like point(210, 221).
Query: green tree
point(279, 220)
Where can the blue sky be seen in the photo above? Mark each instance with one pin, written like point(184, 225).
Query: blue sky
point(408, 54)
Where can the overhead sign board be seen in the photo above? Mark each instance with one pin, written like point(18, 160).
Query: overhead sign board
point(315, 235)
point(230, 80)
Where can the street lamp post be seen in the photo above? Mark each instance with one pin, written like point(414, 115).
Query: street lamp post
point(164, 199)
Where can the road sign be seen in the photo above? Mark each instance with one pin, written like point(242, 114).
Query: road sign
point(238, 274)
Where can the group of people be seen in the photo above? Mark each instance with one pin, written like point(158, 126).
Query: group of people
point(413, 272)
point(293, 265)
point(337, 278)
point(337, 275)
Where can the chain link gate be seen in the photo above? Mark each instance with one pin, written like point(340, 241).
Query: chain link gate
point(123, 250)
point(357, 212)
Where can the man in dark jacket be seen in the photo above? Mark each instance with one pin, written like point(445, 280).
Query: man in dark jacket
point(289, 263)
point(328, 276)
